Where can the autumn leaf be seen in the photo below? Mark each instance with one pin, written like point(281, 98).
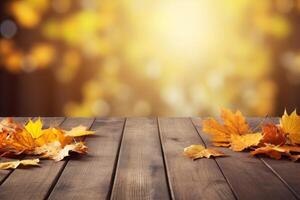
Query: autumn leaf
point(31, 139)
point(56, 152)
point(219, 132)
point(16, 142)
point(199, 151)
point(79, 131)
point(273, 140)
point(290, 124)
point(34, 128)
point(15, 164)
point(234, 123)
point(51, 135)
point(14, 139)
point(273, 134)
point(276, 151)
point(241, 142)
point(270, 150)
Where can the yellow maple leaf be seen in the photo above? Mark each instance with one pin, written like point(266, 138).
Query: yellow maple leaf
point(290, 124)
point(15, 164)
point(241, 142)
point(56, 152)
point(218, 131)
point(199, 151)
point(34, 128)
point(79, 131)
point(234, 123)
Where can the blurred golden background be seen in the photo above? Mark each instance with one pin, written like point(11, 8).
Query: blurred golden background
point(149, 57)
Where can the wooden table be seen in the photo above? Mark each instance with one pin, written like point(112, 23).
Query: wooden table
point(141, 158)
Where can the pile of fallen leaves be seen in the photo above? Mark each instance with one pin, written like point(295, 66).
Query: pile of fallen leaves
point(31, 140)
point(273, 140)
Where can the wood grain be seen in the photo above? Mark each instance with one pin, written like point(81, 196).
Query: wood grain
point(247, 175)
point(200, 179)
point(90, 176)
point(140, 171)
point(34, 183)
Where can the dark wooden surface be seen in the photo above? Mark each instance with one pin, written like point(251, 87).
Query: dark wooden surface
point(142, 158)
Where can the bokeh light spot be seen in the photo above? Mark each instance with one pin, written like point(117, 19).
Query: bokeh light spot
point(8, 28)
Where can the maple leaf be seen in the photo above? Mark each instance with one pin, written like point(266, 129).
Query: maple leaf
point(241, 142)
point(290, 124)
point(79, 131)
point(273, 134)
point(234, 123)
point(15, 164)
point(51, 135)
point(218, 131)
point(272, 151)
point(14, 139)
point(199, 151)
point(276, 151)
point(56, 152)
point(34, 128)
point(16, 142)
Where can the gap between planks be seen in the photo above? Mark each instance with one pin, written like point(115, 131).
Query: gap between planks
point(265, 161)
point(95, 169)
point(116, 163)
point(188, 179)
point(124, 185)
point(230, 186)
point(63, 166)
point(171, 194)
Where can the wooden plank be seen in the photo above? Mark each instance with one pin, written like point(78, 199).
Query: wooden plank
point(21, 120)
point(51, 121)
point(34, 183)
point(140, 170)
point(247, 175)
point(90, 177)
point(285, 169)
point(200, 179)
point(5, 173)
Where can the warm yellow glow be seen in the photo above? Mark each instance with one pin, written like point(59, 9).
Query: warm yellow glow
point(155, 57)
point(184, 28)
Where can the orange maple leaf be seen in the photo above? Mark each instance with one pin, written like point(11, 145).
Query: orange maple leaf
point(14, 139)
point(272, 134)
point(276, 151)
point(51, 135)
